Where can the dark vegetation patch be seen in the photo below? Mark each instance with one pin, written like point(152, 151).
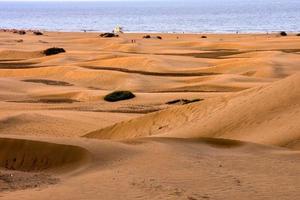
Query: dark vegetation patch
point(20, 32)
point(108, 35)
point(159, 37)
point(283, 33)
point(53, 51)
point(183, 101)
point(203, 36)
point(119, 96)
point(37, 33)
point(147, 36)
point(16, 31)
point(48, 82)
point(298, 34)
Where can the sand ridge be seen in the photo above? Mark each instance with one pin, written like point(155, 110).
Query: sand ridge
point(257, 120)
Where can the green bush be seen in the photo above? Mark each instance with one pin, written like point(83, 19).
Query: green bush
point(37, 33)
point(282, 33)
point(53, 51)
point(108, 35)
point(183, 101)
point(119, 96)
point(147, 37)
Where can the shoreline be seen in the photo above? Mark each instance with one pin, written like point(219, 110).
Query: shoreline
point(89, 117)
point(157, 32)
point(290, 33)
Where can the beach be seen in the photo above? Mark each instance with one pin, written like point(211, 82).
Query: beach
point(212, 116)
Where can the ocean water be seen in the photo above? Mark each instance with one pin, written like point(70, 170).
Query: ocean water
point(155, 16)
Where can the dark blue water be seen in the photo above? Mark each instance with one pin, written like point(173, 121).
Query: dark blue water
point(155, 16)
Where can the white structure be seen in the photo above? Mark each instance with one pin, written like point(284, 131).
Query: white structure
point(118, 29)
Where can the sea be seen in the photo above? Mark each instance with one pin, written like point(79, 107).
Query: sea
point(178, 16)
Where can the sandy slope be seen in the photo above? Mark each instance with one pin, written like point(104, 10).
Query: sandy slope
point(249, 91)
point(174, 169)
point(268, 115)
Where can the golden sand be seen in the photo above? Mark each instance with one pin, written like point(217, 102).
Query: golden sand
point(59, 139)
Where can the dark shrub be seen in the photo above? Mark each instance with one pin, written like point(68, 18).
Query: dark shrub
point(20, 32)
point(183, 101)
point(282, 33)
point(159, 37)
point(108, 35)
point(147, 37)
point(203, 36)
point(37, 33)
point(53, 51)
point(119, 96)
point(298, 34)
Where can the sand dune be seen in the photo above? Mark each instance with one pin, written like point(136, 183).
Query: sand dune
point(267, 115)
point(25, 155)
point(176, 169)
point(236, 139)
